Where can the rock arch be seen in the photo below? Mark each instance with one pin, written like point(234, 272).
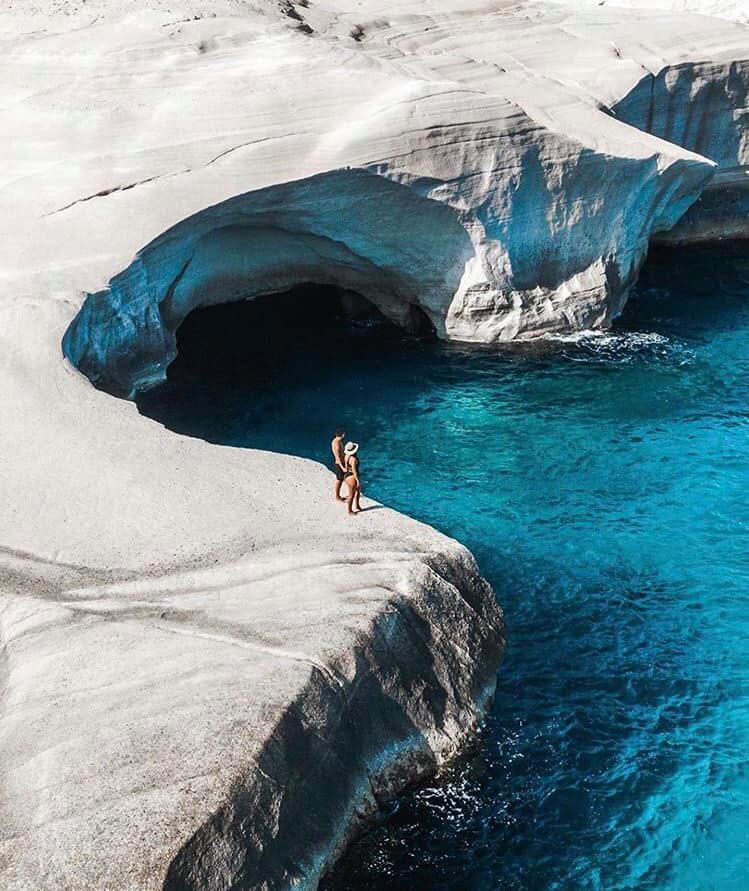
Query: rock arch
point(349, 228)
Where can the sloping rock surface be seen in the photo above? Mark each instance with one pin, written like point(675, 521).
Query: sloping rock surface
point(230, 725)
point(208, 677)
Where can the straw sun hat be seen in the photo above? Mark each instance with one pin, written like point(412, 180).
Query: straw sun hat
point(351, 448)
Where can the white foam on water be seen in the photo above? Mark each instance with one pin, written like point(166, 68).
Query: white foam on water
point(609, 338)
point(623, 347)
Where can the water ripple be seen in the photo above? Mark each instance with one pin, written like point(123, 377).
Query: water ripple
point(602, 482)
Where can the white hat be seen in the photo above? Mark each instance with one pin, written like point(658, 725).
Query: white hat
point(351, 448)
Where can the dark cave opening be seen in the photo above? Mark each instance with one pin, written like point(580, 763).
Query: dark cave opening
point(250, 341)
point(242, 342)
point(235, 360)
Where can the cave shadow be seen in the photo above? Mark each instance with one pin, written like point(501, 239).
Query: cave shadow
point(691, 286)
point(266, 373)
point(263, 373)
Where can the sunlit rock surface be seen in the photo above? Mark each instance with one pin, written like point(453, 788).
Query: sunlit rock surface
point(733, 10)
point(209, 675)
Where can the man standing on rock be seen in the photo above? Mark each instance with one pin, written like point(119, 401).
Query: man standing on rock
point(339, 466)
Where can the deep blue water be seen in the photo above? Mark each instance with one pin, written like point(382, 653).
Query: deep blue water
point(602, 485)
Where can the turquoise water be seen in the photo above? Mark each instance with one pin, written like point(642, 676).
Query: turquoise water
point(602, 484)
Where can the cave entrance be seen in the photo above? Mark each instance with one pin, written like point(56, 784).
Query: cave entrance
point(251, 341)
point(238, 359)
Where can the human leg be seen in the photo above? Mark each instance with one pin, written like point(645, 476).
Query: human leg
point(352, 490)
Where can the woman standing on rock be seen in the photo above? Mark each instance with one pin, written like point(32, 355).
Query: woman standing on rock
point(352, 479)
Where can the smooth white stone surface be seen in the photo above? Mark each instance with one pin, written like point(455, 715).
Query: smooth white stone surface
point(187, 628)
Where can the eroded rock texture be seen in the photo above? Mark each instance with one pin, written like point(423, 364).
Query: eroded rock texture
point(231, 727)
point(208, 676)
point(501, 169)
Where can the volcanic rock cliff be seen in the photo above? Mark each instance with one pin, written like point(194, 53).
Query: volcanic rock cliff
point(204, 685)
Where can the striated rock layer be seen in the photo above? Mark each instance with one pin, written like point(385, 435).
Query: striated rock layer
point(209, 677)
point(535, 156)
point(231, 726)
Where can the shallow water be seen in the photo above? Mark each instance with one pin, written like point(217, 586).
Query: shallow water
point(602, 484)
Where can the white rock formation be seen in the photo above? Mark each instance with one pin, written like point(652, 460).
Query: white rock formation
point(206, 671)
point(733, 10)
point(229, 722)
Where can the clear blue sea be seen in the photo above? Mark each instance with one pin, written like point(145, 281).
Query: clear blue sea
point(603, 484)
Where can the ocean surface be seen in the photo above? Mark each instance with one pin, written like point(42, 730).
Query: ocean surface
point(603, 484)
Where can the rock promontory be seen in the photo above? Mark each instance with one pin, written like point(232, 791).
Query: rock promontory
point(209, 677)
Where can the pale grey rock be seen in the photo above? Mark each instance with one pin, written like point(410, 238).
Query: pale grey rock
point(733, 10)
point(232, 727)
point(703, 106)
point(197, 645)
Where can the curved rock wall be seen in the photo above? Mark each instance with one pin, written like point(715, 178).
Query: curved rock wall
point(506, 191)
point(531, 245)
point(349, 228)
point(705, 108)
point(178, 639)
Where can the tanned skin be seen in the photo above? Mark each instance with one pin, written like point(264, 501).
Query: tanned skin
point(336, 447)
point(354, 484)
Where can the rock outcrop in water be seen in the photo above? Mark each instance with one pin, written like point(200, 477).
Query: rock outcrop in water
point(208, 676)
point(500, 171)
point(230, 725)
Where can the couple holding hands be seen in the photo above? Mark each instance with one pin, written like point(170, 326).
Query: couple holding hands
point(346, 469)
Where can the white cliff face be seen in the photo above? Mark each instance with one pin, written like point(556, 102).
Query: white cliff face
point(732, 10)
point(705, 107)
point(230, 726)
point(493, 169)
point(187, 629)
